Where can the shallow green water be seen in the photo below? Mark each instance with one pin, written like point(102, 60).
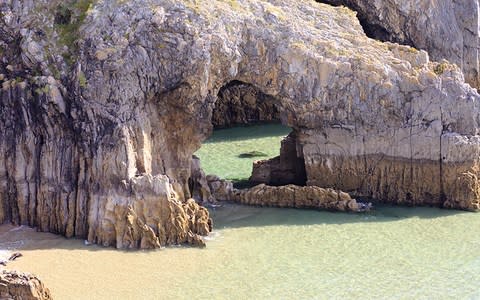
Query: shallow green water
point(220, 153)
point(269, 253)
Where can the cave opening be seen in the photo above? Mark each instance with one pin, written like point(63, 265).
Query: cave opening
point(249, 144)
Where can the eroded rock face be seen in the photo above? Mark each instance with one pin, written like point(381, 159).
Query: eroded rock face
point(221, 189)
point(241, 104)
point(198, 182)
point(15, 285)
point(287, 168)
point(445, 29)
point(97, 136)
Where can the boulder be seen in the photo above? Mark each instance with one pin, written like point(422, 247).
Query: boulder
point(22, 286)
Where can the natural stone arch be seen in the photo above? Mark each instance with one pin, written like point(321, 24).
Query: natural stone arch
point(235, 101)
point(369, 116)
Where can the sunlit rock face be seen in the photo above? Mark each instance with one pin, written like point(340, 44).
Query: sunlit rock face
point(99, 119)
point(445, 29)
point(16, 285)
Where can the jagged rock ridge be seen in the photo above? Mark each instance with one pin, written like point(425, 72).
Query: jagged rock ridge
point(445, 29)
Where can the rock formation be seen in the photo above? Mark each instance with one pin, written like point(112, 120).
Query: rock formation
point(287, 168)
point(294, 196)
point(445, 29)
point(242, 104)
point(15, 285)
point(103, 104)
point(221, 189)
point(198, 182)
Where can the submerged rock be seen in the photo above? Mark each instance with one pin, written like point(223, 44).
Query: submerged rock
point(16, 285)
point(252, 154)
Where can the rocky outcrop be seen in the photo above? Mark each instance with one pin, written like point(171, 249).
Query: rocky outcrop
point(198, 182)
point(241, 104)
point(15, 285)
point(287, 168)
point(446, 29)
point(221, 189)
point(102, 108)
point(294, 196)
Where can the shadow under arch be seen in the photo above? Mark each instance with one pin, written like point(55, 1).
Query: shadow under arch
point(242, 112)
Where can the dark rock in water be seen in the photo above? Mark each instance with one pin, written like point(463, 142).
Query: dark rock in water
point(252, 154)
point(364, 206)
point(287, 168)
point(14, 256)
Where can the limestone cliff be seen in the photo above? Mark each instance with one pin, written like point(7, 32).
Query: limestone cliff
point(15, 285)
point(445, 29)
point(103, 104)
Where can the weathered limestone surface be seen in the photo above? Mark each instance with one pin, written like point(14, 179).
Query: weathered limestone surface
point(198, 182)
point(445, 29)
point(15, 285)
point(100, 112)
point(220, 189)
point(294, 196)
point(287, 168)
point(242, 104)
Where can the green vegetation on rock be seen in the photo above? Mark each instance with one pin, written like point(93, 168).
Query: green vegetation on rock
point(82, 80)
point(440, 68)
point(69, 17)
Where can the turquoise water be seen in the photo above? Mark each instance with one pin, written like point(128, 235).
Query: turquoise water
point(219, 154)
point(270, 253)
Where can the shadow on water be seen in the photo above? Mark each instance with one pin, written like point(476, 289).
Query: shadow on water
point(250, 132)
point(232, 215)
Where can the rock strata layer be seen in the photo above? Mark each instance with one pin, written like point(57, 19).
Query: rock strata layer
point(445, 29)
point(103, 103)
point(293, 196)
point(19, 286)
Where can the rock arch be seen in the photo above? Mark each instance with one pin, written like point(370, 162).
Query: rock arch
point(119, 125)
